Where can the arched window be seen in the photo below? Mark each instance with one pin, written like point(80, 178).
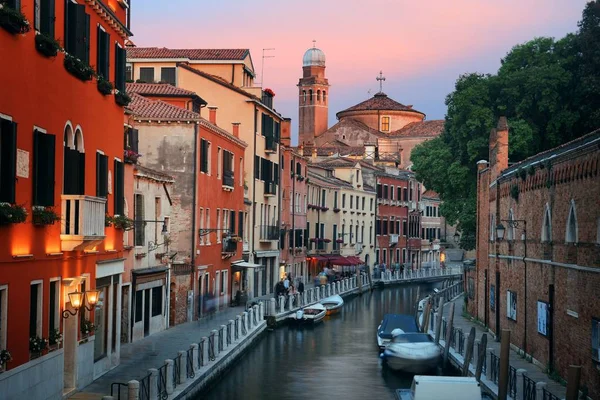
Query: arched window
point(74, 161)
point(571, 235)
point(69, 138)
point(547, 226)
point(310, 99)
point(304, 96)
point(510, 232)
point(324, 97)
point(318, 96)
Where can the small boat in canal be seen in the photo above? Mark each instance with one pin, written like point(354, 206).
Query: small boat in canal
point(426, 387)
point(333, 304)
point(414, 352)
point(404, 322)
point(310, 315)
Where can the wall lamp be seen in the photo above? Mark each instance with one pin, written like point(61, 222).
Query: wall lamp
point(78, 300)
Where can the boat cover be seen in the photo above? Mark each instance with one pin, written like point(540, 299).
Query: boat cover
point(397, 321)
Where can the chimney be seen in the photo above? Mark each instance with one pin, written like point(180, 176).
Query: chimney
point(212, 115)
point(499, 148)
point(286, 132)
point(235, 129)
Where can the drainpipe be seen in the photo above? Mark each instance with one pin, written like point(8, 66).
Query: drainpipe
point(254, 185)
point(375, 220)
point(279, 173)
point(194, 204)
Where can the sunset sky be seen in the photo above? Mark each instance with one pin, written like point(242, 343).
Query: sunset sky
point(421, 46)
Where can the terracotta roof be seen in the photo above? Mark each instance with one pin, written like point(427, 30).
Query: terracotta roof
point(430, 194)
point(146, 172)
point(424, 128)
point(328, 181)
point(159, 89)
point(344, 162)
point(157, 109)
point(379, 102)
point(217, 79)
point(191, 54)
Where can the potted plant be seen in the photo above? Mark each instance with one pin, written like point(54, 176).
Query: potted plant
point(13, 20)
point(140, 255)
point(44, 216)
point(327, 240)
point(37, 345)
point(12, 214)
point(336, 210)
point(46, 45)
point(5, 357)
point(80, 69)
point(313, 240)
point(131, 157)
point(122, 98)
point(270, 92)
point(324, 208)
point(87, 328)
point(339, 240)
point(122, 222)
point(55, 339)
point(104, 86)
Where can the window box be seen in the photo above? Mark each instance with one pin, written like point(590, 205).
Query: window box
point(5, 357)
point(120, 222)
point(12, 214)
point(313, 240)
point(87, 328)
point(46, 45)
point(80, 69)
point(55, 339)
point(131, 157)
point(44, 216)
point(104, 86)
point(324, 208)
point(327, 240)
point(139, 256)
point(122, 98)
point(339, 240)
point(36, 346)
point(336, 210)
point(13, 20)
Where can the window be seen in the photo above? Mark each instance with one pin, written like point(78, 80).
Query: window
point(102, 52)
point(404, 227)
point(323, 198)
point(399, 195)
point(101, 175)
point(3, 315)
point(378, 227)
point(139, 305)
point(371, 205)
point(240, 223)
point(132, 139)
point(157, 300)
point(219, 162)
point(343, 200)
point(44, 146)
point(54, 307)
point(35, 310)
point(385, 124)
point(121, 68)
point(572, 234)
point(324, 97)
point(128, 72)
point(547, 226)
point(318, 96)
point(595, 339)
point(147, 74)
point(335, 199)
point(304, 96)
point(543, 318)
point(77, 31)
point(8, 160)
point(511, 305)
point(138, 211)
point(385, 191)
point(223, 282)
point(44, 17)
point(205, 156)
point(119, 190)
point(218, 225)
point(167, 74)
point(310, 96)
point(228, 177)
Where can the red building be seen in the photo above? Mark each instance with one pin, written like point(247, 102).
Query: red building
point(54, 196)
point(398, 221)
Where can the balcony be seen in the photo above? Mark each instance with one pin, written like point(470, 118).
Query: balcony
point(270, 144)
point(393, 239)
point(269, 233)
point(82, 221)
point(270, 189)
point(228, 180)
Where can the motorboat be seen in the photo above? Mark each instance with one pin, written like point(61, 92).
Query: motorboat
point(426, 387)
point(406, 323)
point(415, 353)
point(310, 314)
point(333, 304)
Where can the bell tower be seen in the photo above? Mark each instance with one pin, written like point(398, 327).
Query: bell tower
point(313, 97)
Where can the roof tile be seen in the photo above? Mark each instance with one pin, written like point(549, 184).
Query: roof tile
point(424, 128)
point(158, 89)
point(157, 109)
point(191, 54)
point(380, 101)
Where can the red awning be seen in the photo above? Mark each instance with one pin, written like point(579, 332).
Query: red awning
point(340, 260)
point(355, 260)
point(320, 258)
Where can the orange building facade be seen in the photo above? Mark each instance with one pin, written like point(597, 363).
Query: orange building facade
point(62, 165)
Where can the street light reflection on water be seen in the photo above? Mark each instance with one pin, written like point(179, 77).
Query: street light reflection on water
point(336, 359)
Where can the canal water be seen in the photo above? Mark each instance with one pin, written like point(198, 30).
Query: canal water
point(338, 358)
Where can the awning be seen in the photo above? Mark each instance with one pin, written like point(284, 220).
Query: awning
point(320, 258)
point(355, 260)
point(341, 260)
point(245, 264)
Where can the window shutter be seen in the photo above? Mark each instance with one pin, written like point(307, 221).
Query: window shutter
point(80, 173)
point(47, 18)
point(135, 140)
point(232, 222)
point(8, 160)
point(101, 175)
point(203, 155)
point(98, 179)
point(79, 24)
point(241, 224)
point(43, 168)
point(119, 187)
point(119, 67)
point(277, 131)
point(107, 54)
point(86, 36)
point(71, 27)
point(99, 52)
point(276, 174)
point(257, 167)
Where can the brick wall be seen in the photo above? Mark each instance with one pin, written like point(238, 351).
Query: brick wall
point(180, 285)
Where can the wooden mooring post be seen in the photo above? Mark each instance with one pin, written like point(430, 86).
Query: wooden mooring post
point(469, 352)
point(425, 319)
point(504, 364)
point(438, 323)
point(481, 357)
point(448, 334)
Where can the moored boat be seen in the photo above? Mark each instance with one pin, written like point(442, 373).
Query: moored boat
point(415, 353)
point(310, 314)
point(441, 387)
point(390, 322)
point(333, 304)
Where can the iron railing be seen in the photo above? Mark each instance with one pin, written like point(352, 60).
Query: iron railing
point(117, 395)
point(145, 388)
point(162, 382)
point(189, 364)
point(529, 392)
point(269, 232)
point(512, 381)
point(176, 370)
point(549, 396)
point(483, 364)
point(444, 327)
point(494, 367)
point(461, 341)
point(228, 334)
point(211, 347)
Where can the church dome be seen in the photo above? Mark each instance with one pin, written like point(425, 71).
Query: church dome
point(313, 57)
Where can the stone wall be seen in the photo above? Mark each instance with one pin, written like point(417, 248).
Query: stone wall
point(41, 378)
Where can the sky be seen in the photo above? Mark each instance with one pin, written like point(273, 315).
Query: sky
point(422, 46)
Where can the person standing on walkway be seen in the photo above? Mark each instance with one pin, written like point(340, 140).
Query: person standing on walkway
point(286, 283)
point(300, 287)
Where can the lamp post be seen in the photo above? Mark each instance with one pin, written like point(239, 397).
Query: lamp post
point(78, 300)
point(500, 231)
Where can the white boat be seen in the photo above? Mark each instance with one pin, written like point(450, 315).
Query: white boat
point(406, 323)
point(415, 353)
point(311, 314)
point(441, 387)
point(333, 304)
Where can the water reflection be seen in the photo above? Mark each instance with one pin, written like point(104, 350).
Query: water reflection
point(335, 359)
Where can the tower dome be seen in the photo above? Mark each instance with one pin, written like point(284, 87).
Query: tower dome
point(313, 57)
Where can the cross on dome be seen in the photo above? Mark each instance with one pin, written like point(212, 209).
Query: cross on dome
point(380, 78)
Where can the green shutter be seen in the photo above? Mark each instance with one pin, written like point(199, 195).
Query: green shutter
point(43, 168)
point(101, 175)
point(119, 190)
point(8, 160)
point(120, 59)
point(47, 13)
point(106, 50)
point(99, 52)
point(86, 37)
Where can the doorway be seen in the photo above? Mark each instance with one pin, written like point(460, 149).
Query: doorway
point(146, 312)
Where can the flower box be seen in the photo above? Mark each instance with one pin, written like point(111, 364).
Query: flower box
point(122, 98)
point(42, 216)
point(336, 210)
point(36, 346)
point(131, 157)
point(80, 69)
point(12, 214)
point(55, 339)
point(339, 240)
point(327, 240)
point(13, 20)
point(269, 92)
point(46, 45)
point(324, 208)
point(5, 357)
point(87, 328)
point(313, 240)
point(104, 86)
point(121, 222)
point(140, 255)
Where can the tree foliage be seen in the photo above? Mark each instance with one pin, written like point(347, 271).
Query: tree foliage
point(548, 89)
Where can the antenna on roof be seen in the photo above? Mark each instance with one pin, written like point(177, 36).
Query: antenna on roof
point(262, 67)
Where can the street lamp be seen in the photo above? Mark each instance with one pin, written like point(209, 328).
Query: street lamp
point(456, 237)
point(78, 300)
